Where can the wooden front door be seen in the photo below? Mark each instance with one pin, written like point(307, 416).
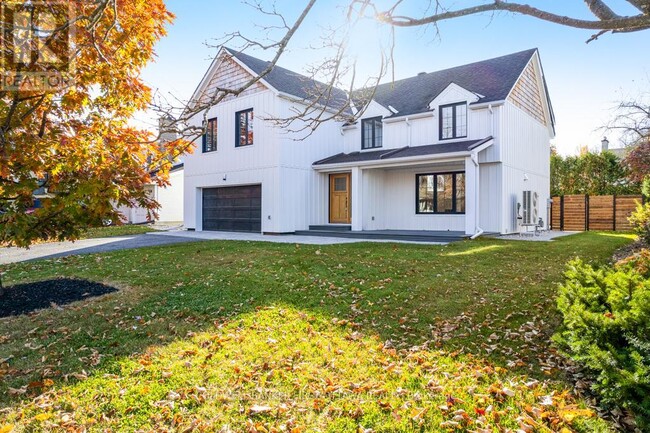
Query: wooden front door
point(340, 199)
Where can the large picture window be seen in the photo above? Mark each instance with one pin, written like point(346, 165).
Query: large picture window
point(440, 193)
point(244, 128)
point(371, 133)
point(210, 136)
point(453, 121)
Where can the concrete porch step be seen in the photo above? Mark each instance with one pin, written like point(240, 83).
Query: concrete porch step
point(331, 228)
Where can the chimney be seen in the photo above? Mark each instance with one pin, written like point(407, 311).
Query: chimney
point(167, 129)
point(604, 145)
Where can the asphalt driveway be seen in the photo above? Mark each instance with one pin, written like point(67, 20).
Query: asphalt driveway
point(86, 246)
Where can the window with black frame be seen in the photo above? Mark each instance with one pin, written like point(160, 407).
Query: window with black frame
point(371, 133)
point(453, 121)
point(244, 128)
point(210, 136)
point(440, 193)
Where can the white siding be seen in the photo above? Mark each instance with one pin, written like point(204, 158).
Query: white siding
point(303, 201)
point(393, 204)
point(256, 164)
point(526, 154)
point(490, 198)
point(295, 196)
point(170, 198)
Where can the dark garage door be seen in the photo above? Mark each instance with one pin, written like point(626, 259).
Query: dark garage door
point(236, 208)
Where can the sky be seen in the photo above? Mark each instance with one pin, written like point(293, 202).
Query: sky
point(586, 81)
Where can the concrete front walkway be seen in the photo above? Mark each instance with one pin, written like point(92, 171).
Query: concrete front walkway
point(256, 237)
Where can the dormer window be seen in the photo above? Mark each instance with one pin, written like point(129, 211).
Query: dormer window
point(371, 133)
point(453, 121)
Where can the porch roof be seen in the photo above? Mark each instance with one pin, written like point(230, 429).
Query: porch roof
point(458, 148)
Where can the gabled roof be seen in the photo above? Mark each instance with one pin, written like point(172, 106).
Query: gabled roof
point(492, 79)
point(404, 152)
point(292, 83)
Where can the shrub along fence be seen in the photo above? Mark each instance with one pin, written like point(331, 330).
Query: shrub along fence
point(597, 212)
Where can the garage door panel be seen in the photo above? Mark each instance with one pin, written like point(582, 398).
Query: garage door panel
point(237, 208)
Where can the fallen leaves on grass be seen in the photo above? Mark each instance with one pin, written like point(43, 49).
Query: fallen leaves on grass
point(315, 377)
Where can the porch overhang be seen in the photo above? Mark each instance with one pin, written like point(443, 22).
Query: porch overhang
point(405, 156)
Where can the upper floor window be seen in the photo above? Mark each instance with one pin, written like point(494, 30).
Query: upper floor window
point(210, 136)
point(453, 121)
point(371, 133)
point(244, 128)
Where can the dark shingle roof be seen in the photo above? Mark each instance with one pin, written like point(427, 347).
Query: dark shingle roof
point(404, 152)
point(493, 79)
point(292, 83)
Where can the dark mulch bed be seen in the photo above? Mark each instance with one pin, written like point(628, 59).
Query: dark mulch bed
point(629, 250)
point(29, 297)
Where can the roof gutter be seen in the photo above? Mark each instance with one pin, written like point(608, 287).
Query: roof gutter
point(409, 117)
point(487, 104)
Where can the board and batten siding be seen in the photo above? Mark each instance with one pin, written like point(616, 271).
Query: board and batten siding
point(525, 153)
point(247, 165)
point(491, 197)
point(303, 193)
point(393, 204)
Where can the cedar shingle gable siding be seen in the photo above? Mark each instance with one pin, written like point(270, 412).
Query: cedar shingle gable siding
point(230, 76)
point(526, 96)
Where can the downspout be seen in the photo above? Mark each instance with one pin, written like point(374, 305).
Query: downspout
point(408, 125)
point(474, 157)
point(477, 185)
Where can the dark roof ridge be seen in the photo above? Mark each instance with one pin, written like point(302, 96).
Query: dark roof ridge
point(531, 50)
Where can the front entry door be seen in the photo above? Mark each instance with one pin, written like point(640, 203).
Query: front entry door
point(340, 199)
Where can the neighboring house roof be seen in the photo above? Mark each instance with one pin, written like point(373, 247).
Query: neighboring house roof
point(492, 80)
point(292, 83)
point(404, 152)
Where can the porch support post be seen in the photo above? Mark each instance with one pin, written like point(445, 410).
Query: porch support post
point(471, 196)
point(357, 199)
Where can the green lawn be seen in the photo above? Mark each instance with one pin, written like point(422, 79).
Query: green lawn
point(110, 231)
point(259, 337)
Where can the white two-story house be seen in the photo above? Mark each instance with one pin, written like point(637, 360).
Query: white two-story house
point(451, 150)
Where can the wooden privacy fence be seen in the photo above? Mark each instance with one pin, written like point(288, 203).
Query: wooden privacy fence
point(595, 212)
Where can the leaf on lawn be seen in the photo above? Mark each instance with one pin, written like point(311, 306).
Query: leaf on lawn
point(570, 413)
point(7, 428)
point(257, 409)
point(43, 416)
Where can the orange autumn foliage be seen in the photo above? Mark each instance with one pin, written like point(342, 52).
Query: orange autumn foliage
point(77, 142)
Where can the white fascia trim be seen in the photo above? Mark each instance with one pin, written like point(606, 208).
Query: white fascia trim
point(254, 74)
point(214, 66)
point(482, 147)
point(410, 117)
point(486, 104)
point(443, 157)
